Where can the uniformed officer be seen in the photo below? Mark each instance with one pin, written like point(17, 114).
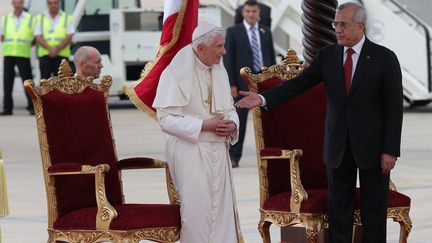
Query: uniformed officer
point(16, 31)
point(53, 33)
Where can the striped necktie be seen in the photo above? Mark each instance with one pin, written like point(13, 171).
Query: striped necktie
point(255, 50)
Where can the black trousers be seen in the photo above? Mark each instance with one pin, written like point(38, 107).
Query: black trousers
point(236, 150)
point(24, 68)
point(374, 188)
point(49, 66)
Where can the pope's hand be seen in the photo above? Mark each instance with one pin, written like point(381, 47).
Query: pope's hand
point(225, 128)
point(219, 126)
point(249, 100)
point(210, 125)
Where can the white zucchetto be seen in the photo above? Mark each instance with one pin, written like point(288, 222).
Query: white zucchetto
point(202, 29)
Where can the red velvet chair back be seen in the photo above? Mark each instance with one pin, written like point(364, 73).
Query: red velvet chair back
point(297, 123)
point(294, 124)
point(77, 128)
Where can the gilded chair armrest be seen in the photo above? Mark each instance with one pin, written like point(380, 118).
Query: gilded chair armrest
point(105, 212)
point(65, 168)
point(149, 163)
point(298, 193)
point(70, 168)
point(275, 153)
point(392, 186)
point(140, 163)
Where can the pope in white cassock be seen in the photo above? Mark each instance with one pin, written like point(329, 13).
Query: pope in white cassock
point(195, 110)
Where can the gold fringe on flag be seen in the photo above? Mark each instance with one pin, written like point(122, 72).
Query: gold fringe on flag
point(4, 206)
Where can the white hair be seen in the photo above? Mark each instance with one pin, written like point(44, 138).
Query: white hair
point(360, 15)
point(208, 37)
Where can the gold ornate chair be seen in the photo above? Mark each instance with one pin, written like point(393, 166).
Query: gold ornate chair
point(294, 193)
point(81, 171)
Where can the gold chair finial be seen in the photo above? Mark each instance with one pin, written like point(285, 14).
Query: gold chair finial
point(291, 57)
point(64, 69)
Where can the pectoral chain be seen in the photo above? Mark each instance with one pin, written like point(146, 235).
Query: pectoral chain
point(206, 102)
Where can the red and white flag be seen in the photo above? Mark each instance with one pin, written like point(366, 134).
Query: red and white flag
point(180, 20)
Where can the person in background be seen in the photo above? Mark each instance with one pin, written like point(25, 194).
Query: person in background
point(264, 16)
point(53, 34)
point(16, 31)
point(88, 62)
point(363, 123)
point(196, 112)
point(248, 44)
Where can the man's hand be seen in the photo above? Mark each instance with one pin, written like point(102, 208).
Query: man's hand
point(53, 52)
point(234, 91)
point(249, 100)
point(388, 162)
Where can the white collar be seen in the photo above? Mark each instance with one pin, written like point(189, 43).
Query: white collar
point(248, 26)
point(357, 47)
point(201, 65)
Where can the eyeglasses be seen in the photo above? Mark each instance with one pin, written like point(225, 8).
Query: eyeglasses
point(342, 24)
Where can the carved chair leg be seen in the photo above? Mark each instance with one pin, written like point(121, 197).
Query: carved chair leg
point(355, 231)
point(403, 235)
point(126, 240)
point(264, 230)
point(402, 217)
point(51, 237)
point(312, 231)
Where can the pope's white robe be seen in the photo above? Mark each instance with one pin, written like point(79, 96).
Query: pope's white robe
point(199, 161)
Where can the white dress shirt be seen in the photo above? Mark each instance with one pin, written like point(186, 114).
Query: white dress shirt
point(355, 56)
point(249, 32)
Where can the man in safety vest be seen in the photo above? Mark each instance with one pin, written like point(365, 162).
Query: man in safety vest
point(53, 32)
point(16, 31)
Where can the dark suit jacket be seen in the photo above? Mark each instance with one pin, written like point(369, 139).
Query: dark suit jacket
point(239, 52)
point(265, 15)
point(370, 118)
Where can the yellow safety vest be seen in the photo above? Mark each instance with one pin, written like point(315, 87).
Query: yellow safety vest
point(54, 37)
point(17, 42)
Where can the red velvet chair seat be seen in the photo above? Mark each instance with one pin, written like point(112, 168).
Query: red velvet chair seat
point(395, 199)
point(131, 217)
point(317, 201)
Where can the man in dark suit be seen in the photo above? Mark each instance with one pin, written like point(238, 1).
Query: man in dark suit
point(363, 122)
point(264, 16)
point(247, 44)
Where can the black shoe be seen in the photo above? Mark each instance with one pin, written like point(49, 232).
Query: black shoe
point(31, 111)
point(234, 164)
point(6, 113)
